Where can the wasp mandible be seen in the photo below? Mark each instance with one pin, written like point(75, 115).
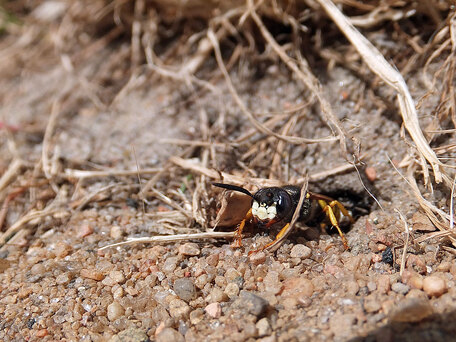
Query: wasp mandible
point(273, 208)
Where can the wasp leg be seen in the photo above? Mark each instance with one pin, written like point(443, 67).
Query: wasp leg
point(278, 238)
point(238, 234)
point(329, 209)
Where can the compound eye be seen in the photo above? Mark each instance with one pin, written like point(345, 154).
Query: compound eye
point(284, 204)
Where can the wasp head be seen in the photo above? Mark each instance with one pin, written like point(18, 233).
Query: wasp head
point(271, 204)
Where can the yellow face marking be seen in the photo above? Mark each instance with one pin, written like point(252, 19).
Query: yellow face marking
point(262, 211)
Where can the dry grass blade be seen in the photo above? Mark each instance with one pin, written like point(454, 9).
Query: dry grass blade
point(211, 173)
point(443, 224)
point(407, 236)
point(11, 172)
point(18, 225)
point(78, 205)
point(170, 202)
point(377, 63)
point(83, 174)
point(379, 15)
point(191, 164)
point(173, 238)
point(195, 143)
point(296, 214)
point(45, 156)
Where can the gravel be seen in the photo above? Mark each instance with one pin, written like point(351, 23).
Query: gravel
point(400, 288)
point(185, 289)
point(170, 334)
point(252, 303)
point(300, 251)
point(214, 310)
point(115, 311)
point(434, 286)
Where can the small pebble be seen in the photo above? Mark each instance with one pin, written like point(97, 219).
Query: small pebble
point(91, 274)
point(214, 310)
point(201, 281)
point(9, 299)
point(189, 249)
point(179, 309)
point(4, 264)
point(383, 284)
point(387, 256)
point(415, 263)
point(62, 249)
point(411, 310)
point(342, 324)
point(220, 281)
point(64, 279)
point(453, 270)
point(371, 304)
point(41, 333)
point(185, 289)
point(38, 269)
point(169, 334)
point(352, 287)
point(371, 173)
point(130, 335)
point(444, 266)
point(272, 283)
point(212, 260)
point(118, 293)
point(231, 274)
point(400, 288)
point(196, 316)
point(116, 232)
point(254, 304)
point(384, 248)
point(434, 286)
point(289, 303)
point(271, 338)
point(117, 276)
point(170, 264)
point(257, 258)
point(160, 328)
point(416, 282)
point(84, 230)
point(415, 293)
point(264, 329)
point(115, 311)
point(300, 251)
point(297, 287)
point(372, 286)
point(232, 290)
point(217, 295)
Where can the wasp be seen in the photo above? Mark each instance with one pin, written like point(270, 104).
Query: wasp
point(274, 207)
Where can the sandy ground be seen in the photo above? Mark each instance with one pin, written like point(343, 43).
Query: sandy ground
point(56, 283)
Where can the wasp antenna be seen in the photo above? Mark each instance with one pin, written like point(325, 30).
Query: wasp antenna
point(233, 187)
